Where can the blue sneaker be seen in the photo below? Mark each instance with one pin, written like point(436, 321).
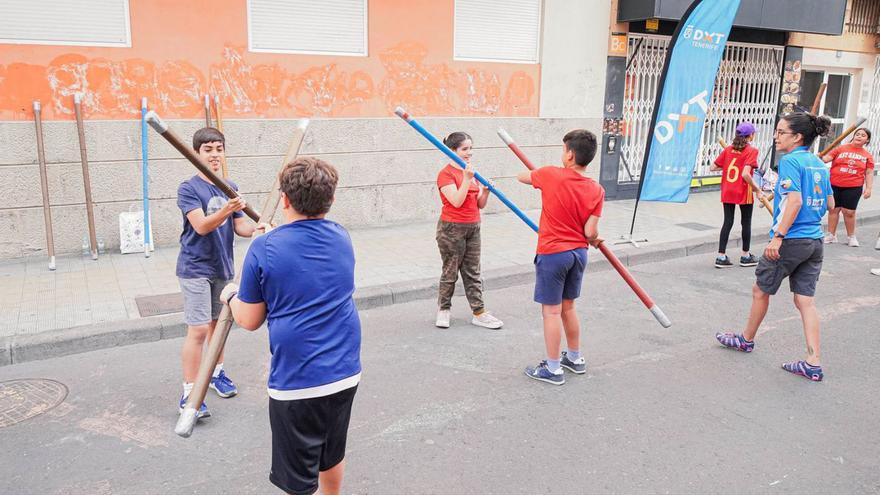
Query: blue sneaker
point(223, 385)
point(542, 372)
point(735, 341)
point(578, 366)
point(203, 410)
point(805, 370)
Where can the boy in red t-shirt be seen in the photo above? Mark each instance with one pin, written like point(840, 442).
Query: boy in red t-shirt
point(572, 205)
point(737, 162)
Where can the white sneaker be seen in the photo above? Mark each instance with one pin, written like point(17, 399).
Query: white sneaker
point(830, 238)
point(852, 241)
point(442, 318)
point(875, 271)
point(486, 320)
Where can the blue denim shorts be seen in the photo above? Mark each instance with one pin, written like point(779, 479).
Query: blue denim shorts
point(558, 276)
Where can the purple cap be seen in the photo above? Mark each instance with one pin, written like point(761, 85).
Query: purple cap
point(745, 129)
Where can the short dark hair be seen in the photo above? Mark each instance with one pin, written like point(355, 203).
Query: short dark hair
point(583, 143)
point(309, 184)
point(207, 135)
point(809, 126)
point(454, 140)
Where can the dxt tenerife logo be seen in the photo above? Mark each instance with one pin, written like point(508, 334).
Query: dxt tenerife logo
point(664, 130)
point(703, 39)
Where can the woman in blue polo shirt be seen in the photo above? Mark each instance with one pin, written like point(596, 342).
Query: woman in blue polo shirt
point(803, 195)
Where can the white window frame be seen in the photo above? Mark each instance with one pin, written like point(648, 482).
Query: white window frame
point(126, 44)
point(365, 53)
point(537, 59)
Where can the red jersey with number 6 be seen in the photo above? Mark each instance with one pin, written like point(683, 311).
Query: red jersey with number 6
point(734, 189)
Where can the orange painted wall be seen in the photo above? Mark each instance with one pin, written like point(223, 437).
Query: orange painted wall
point(180, 50)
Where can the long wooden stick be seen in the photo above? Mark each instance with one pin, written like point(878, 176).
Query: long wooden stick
point(189, 416)
point(162, 128)
point(207, 111)
point(762, 198)
point(606, 251)
point(87, 181)
point(843, 136)
point(274, 195)
point(44, 185)
point(215, 105)
point(818, 99)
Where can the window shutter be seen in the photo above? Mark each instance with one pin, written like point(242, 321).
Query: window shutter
point(497, 30)
point(65, 22)
point(333, 27)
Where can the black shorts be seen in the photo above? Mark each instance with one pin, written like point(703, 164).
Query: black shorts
point(308, 436)
point(847, 197)
point(800, 260)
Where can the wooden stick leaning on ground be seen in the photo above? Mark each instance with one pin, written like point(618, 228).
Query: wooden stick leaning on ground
point(606, 251)
point(87, 181)
point(764, 200)
point(189, 416)
point(215, 105)
point(273, 197)
point(843, 136)
point(44, 185)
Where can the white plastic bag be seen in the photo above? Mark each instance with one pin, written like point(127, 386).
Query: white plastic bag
point(131, 232)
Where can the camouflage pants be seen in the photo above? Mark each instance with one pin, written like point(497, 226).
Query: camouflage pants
point(459, 245)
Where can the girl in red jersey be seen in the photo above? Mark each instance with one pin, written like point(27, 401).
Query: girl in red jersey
point(458, 234)
point(737, 162)
point(852, 177)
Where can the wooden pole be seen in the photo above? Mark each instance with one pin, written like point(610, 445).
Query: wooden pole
point(818, 99)
point(843, 136)
point(219, 120)
point(274, 195)
point(44, 185)
point(87, 181)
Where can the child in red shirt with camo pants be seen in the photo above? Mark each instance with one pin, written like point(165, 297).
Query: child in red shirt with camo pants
point(572, 205)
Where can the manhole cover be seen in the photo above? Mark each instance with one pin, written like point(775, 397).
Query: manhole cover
point(695, 226)
point(161, 304)
point(24, 399)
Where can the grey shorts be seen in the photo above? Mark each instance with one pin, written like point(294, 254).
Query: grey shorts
point(800, 260)
point(201, 299)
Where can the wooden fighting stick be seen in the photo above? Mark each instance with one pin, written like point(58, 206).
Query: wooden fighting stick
point(87, 182)
point(207, 111)
point(215, 105)
point(763, 199)
point(44, 185)
point(843, 136)
point(818, 99)
point(606, 251)
point(270, 205)
point(188, 417)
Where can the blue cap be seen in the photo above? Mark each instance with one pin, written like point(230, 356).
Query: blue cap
point(745, 129)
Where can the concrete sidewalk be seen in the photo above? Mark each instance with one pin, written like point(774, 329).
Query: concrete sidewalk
point(86, 305)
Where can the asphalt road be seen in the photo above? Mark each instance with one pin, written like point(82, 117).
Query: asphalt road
point(449, 411)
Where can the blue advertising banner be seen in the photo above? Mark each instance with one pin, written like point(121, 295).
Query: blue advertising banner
point(683, 98)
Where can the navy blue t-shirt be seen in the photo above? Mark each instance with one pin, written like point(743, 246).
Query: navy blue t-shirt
point(205, 256)
point(304, 272)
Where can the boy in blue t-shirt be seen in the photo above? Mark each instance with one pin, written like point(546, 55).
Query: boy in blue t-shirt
point(205, 265)
point(802, 196)
point(300, 277)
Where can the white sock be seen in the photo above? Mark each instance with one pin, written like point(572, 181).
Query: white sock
point(217, 370)
point(187, 388)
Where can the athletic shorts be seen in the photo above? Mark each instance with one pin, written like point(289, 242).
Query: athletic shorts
point(308, 436)
point(201, 299)
point(559, 276)
point(847, 197)
point(800, 260)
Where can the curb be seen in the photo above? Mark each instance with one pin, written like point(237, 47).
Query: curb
point(57, 343)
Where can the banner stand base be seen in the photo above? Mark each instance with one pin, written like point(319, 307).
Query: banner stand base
point(628, 239)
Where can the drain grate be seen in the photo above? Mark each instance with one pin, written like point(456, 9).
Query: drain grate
point(26, 398)
point(161, 304)
point(695, 226)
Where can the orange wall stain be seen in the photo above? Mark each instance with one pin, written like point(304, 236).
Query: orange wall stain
point(182, 50)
